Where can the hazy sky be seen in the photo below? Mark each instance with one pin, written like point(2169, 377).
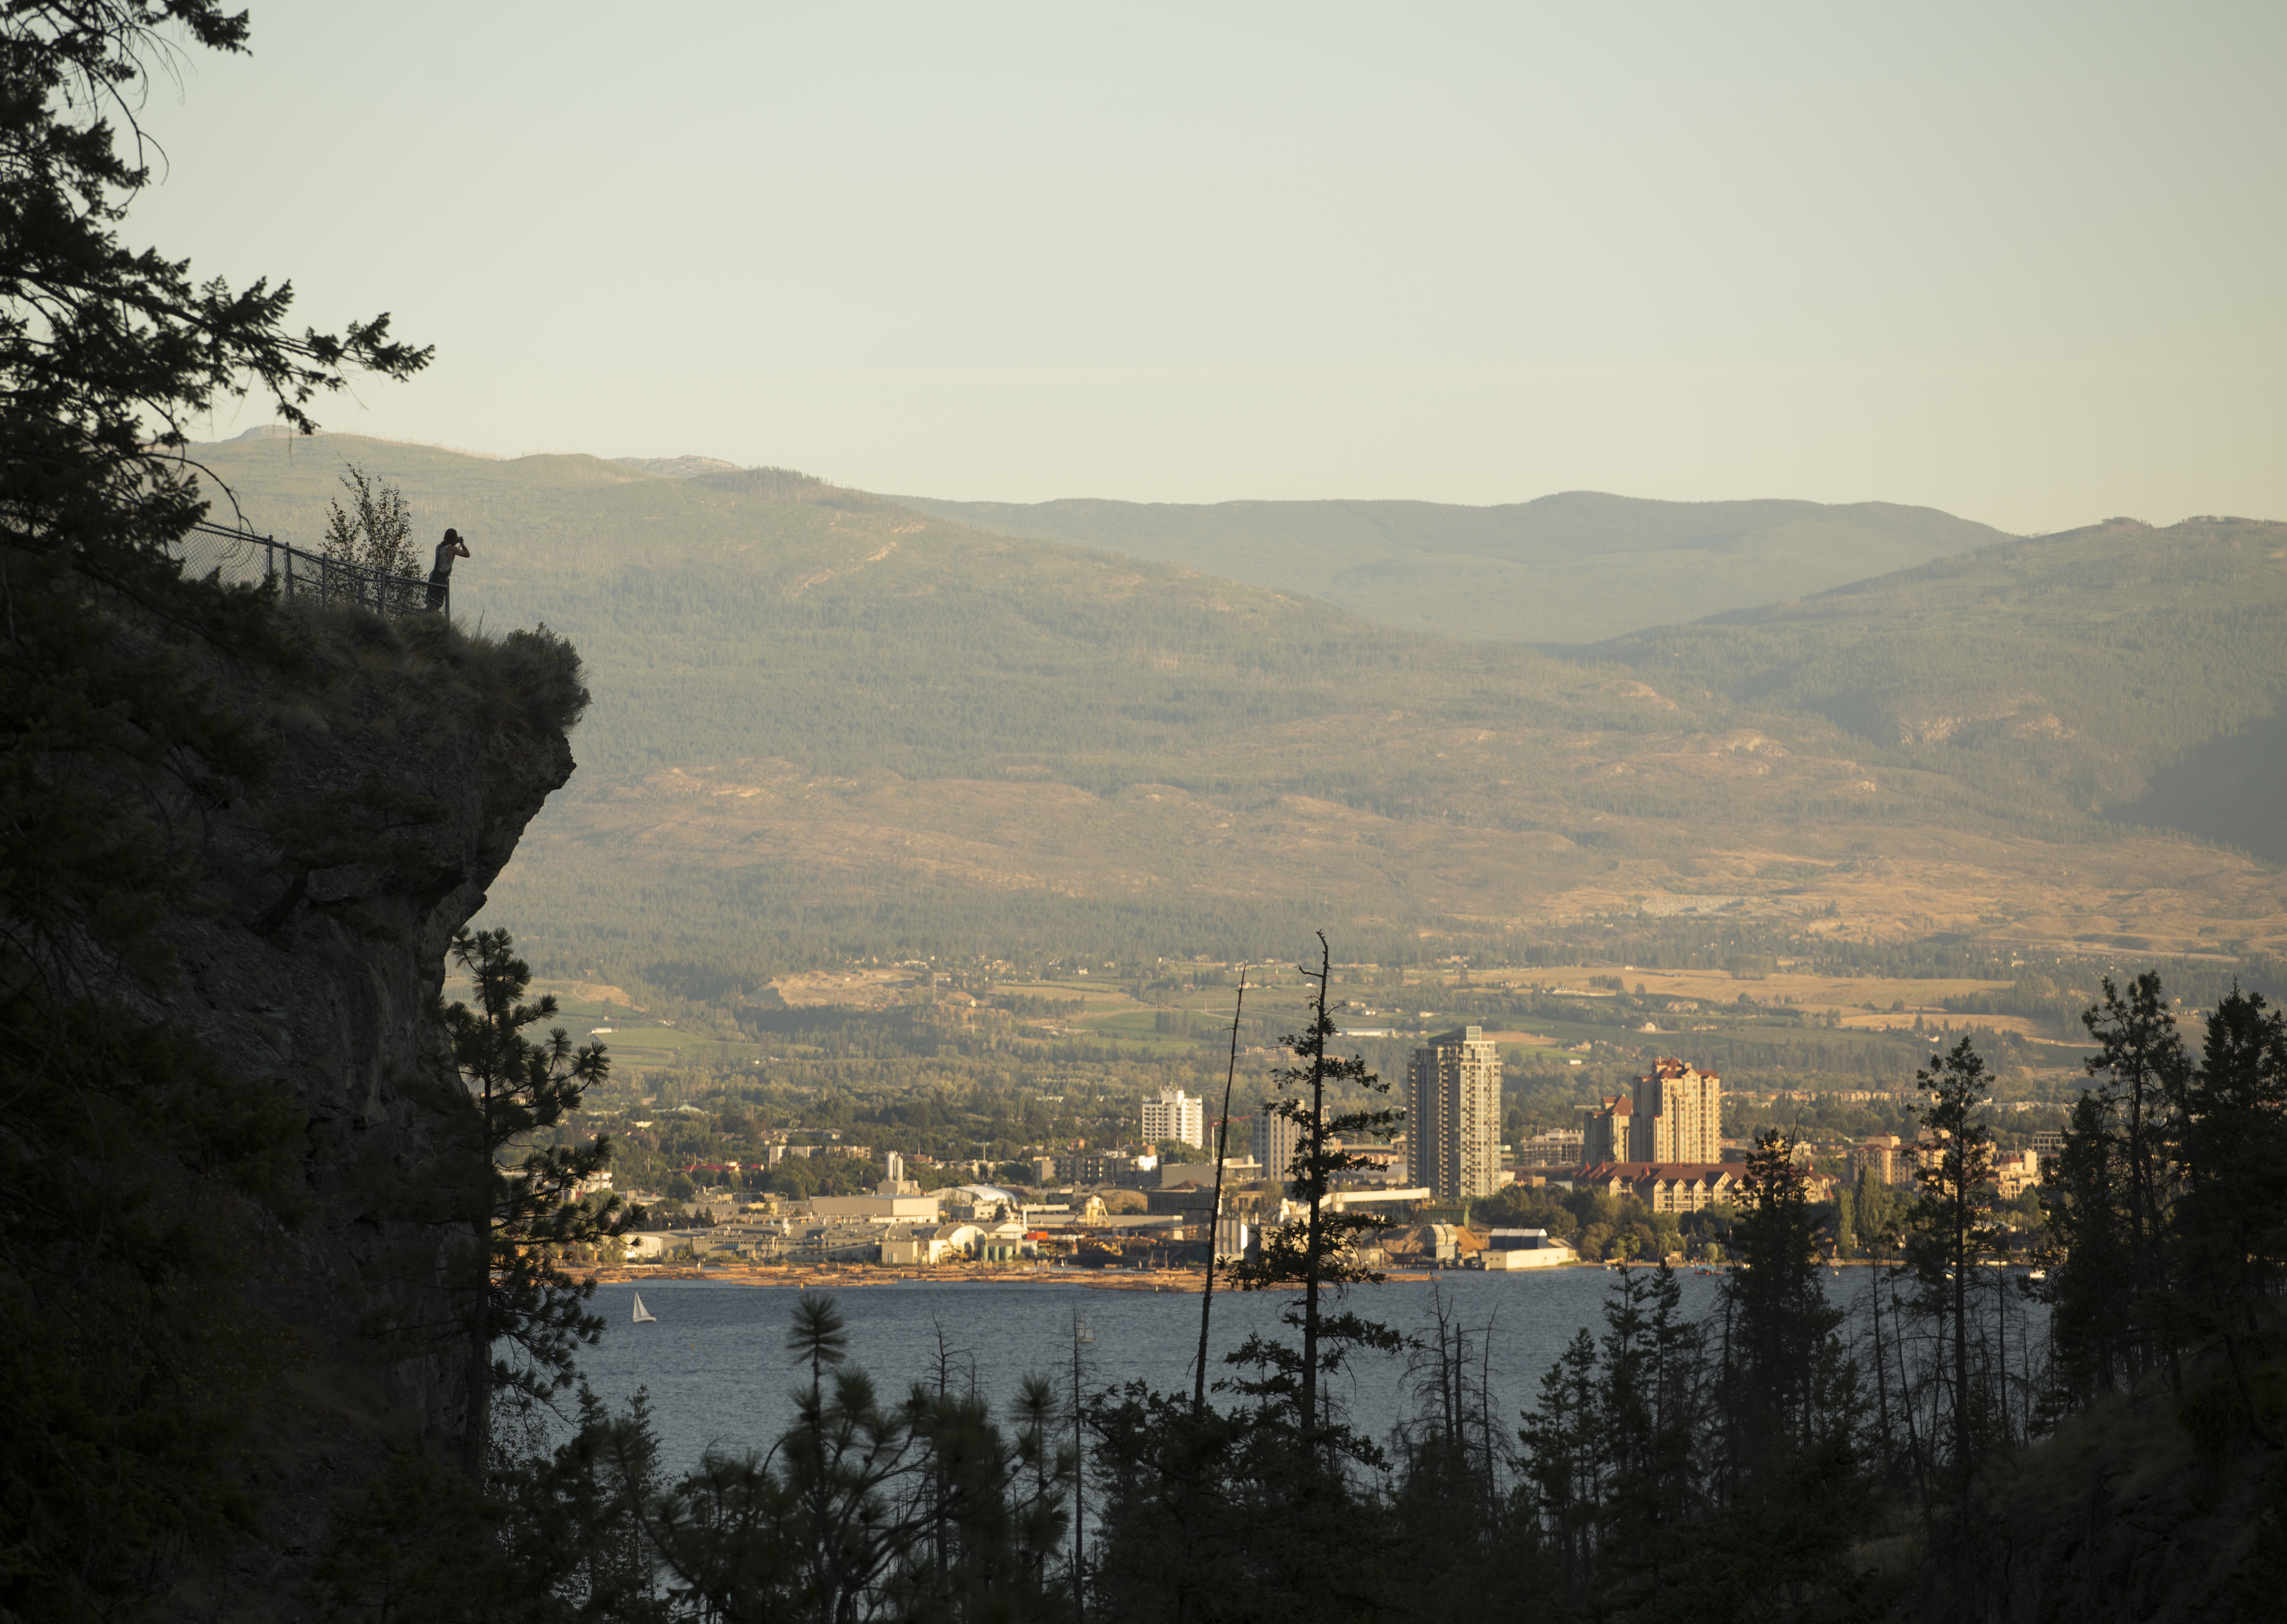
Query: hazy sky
point(2025, 263)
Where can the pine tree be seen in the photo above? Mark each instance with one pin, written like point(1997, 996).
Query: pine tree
point(1776, 1316)
point(1318, 1253)
point(2229, 1220)
point(1951, 1229)
point(1565, 1463)
point(2091, 1288)
point(2142, 1065)
point(504, 1273)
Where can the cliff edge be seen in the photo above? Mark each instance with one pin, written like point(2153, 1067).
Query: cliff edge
point(406, 764)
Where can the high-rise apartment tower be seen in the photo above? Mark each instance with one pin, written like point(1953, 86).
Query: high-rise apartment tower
point(1676, 1116)
point(1452, 1115)
point(1276, 1140)
point(1176, 1115)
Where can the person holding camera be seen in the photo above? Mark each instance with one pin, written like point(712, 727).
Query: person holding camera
point(440, 579)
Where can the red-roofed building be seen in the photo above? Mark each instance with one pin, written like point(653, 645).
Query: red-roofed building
point(1676, 1115)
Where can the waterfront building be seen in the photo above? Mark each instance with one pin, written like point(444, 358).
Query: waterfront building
point(1452, 1115)
point(929, 1245)
point(1507, 1250)
point(1236, 1170)
point(874, 1209)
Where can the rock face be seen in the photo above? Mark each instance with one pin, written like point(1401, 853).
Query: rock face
point(405, 773)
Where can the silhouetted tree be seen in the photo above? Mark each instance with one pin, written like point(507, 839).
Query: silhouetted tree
point(1318, 1253)
point(1951, 1231)
point(1777, 1319)
point(518, 1216)
point(2229, 1220)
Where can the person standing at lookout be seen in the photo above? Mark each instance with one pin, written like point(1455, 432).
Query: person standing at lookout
point(440, 579)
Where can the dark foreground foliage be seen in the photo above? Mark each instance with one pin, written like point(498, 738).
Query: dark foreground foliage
point(138, 1182)
point(1802, 1451)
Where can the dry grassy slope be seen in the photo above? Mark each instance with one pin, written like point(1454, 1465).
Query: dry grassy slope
point(2104, 661)
point(839, 704)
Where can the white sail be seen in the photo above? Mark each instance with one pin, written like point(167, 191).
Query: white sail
point(643, 1316)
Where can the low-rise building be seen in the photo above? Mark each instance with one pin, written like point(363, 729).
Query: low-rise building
point(2017, 1172)
point(978, 1201)
point(1427, 1243)
point(1508, 1250)
point(1122, 1170)
point(1187, 1199)
point(875, 1209)
point(924, 1245)
point(1236, 1170)
point(1666, 1187)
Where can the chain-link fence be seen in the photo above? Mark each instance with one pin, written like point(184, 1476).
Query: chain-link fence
point(308, 577)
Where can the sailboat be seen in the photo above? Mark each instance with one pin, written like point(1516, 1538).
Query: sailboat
point(643, 1316)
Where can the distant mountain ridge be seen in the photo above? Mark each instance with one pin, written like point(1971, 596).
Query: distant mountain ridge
point(1573, 568)
point(2142, 672)
point(826, 723)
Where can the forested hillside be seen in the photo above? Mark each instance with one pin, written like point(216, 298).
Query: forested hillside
point(1563, 569)
point(825, 724)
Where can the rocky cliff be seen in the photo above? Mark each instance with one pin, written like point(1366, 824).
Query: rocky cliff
point(408, 761)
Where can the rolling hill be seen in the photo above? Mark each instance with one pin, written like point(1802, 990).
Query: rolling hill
point(1565, 569)
point(825, 724)
point(2140, 671)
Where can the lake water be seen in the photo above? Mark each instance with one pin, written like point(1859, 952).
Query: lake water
point(715, 1365)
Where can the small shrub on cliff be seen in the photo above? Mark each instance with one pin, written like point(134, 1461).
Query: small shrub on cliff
point(377, 532)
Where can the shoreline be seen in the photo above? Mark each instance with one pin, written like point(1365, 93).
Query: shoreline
point(1179, 1280)
point(1172, 1280)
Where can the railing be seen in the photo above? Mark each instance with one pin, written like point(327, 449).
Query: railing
point(303, 577)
